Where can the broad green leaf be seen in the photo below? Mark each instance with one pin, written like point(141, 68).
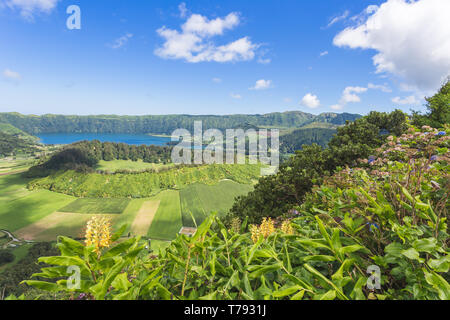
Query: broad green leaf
point(439, 284)
point(411, 253)
point(121, 282)
point(43, 285)
point(286, 292)
point(323, 258)
point(330, 295)
point(339, 293)
point(350, 249)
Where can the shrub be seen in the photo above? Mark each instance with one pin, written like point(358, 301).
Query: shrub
point(6, 256)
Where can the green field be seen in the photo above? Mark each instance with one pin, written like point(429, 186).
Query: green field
point(199, 200)
point(18, 211)
point(167, 222)
point(13, 165)
point(99, 205)
point(136, 166)
point(42, 215)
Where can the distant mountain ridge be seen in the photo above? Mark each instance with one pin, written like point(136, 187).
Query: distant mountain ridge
point(166, 124)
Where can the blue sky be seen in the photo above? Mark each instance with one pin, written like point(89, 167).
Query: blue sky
point(220, 57)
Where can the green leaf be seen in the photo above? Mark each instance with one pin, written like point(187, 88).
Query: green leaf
point(43, 285)
point(323, 231)
point(116, 236)
point(299, 295)
point(350, 249)
point(330, 295)
point(65, 261)
point(439, 284)
point(323, 258)
point(121, 282)
point(425, 245)
point(339, 293)
point(120, 248)
point(287, 291)
point(261, 270)
point(211, 296)
point(440, 265)
point(411, 253)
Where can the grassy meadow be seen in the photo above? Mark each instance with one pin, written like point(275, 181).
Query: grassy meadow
point(97, 206)
point(42, 215)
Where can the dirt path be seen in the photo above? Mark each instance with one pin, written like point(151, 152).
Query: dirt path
point(144, 218)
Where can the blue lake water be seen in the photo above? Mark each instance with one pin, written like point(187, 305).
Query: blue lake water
point(133, 139)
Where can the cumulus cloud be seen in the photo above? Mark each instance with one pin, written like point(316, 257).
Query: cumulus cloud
point(193, 43)
point(407, 100)
point(262, 85)
point(28, 8)
point(349, 95)
point(11, 75)
point(120, 42)
point(412, 40)
point(310, 101)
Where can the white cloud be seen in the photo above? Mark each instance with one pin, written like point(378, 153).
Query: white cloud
point(412, 39)
point(323, 53)
point(193, 43)
point(217, 80)
point(183, 10)
point(120, 42)
point(382, 87)
point(11, 75)
point(338, 18)
point(349, 95)
point(310, 101)
point(287, 100)
point(262, 85)
point(406, 100)
point(29, 7)
point(336, 107)
point(235, 96)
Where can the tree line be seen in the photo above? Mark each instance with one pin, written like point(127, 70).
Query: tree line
point(164, 124)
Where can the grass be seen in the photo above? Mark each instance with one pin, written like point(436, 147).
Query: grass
point(8, 165)
point(20, 207)
point(192, 210)
point(167, 221)
point(136, 166)
point(199, 200)
point(21, 212)
point(97, 206)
